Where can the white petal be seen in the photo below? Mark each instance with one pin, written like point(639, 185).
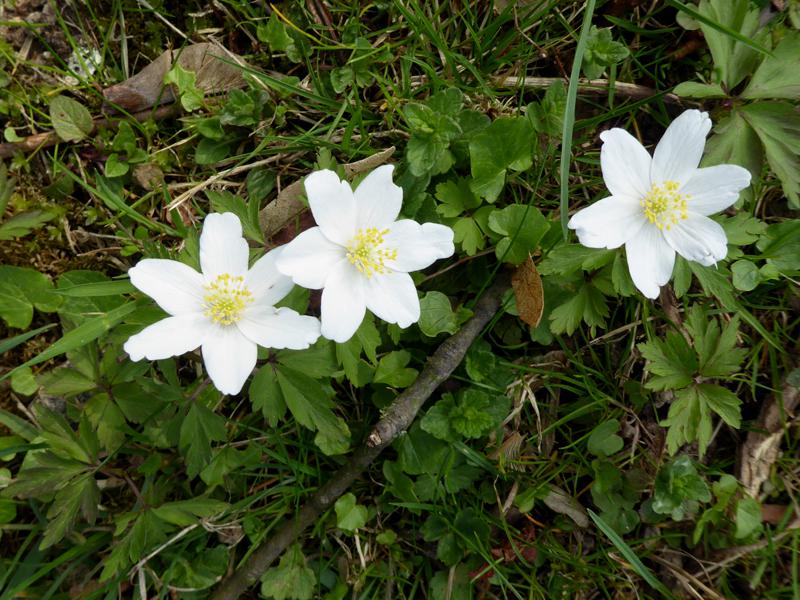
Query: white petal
point(698, 238)
point(333, 205)
point(393, 298)
point(625, 164)
point(222, 247)
point(418, 246)
point(680, 149)
point(608, 223)
point(650, 260)
point(229, 358)
point(265, 282)
point(715, 188)
point(378, 199)
point(309, 258)
point(279, 328)
point(172, 336)
point(176, 287)
point(343, 304)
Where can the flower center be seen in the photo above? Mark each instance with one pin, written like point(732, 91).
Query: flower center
point(664, 205)
point(366, 252)
point(226, 298)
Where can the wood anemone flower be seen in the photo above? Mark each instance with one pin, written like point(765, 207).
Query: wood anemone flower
point(227, 309)
point(659, 205)
point(359, 254)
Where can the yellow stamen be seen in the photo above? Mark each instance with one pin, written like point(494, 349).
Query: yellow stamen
point(366, 252)
point(664, 205)
point(226, 299)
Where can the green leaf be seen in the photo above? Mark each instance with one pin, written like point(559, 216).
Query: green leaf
point(569, 258)
point(228, 460)
point(225, 201)
point(291, 579)
point(735, 142)
point(350, 515)
point(82, 495)
point(777, 125)
point(392, 370)
point(602, 52)
point(455, 197)
point(107, 419)
point(780, 245)
point(366, 340)
point(588, 304)
point(71, 120)
point(23, 223)
point(274, 33)
point(604, 441)
point(309, 403)
point(778, 76)
point(748, 517)
point(185, 81)
point(678, 489)
point(694, 89)
point(477, 413)
point(436, 315)
point(188, 512)
point(22, 289)
point(506, 145)
point(87, 332)
point(115, 167)
point(266, 396)
point(199, 428)
point(437, 420)
point(523, 227)
point(547, 116)
point(689, 417)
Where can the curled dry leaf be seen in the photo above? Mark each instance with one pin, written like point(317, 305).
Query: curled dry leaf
point(216, 69)
point(528, 291)
point(561, 502)
point(280, 212)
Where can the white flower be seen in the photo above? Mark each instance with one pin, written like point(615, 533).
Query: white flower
point(660, 205)
point(359, 254)
point(227, 309)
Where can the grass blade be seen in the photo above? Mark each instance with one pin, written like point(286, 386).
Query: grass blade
point(12, 342)
point(569, 114)
point(630, 555)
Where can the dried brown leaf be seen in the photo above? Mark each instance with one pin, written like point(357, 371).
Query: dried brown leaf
point(215, 73)
point(528, 291)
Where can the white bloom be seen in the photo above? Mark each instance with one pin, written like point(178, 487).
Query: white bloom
point(227, 309)
point(359, 254)
point(660, 205)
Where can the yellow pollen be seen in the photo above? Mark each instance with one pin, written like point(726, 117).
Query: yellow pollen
point(226, 298)
point(366, 252)
point(664, 205)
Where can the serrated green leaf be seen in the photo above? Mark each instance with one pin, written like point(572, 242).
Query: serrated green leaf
point(436, 420)
point(185, 81)
point(291, 579)
point(392, 370)
point(81, 495)
point(672, 363)
point(224, 201)
point(506, 145)
point(198, 430)
point(71, 120)
point(569, 258)
point(778, 76)
point(523, 227)
point(436, 315)
point(21, 224)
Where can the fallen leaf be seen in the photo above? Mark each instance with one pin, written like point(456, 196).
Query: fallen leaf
point(528, 291)
point(216, 71)
point(280, 212)
point(559, 501)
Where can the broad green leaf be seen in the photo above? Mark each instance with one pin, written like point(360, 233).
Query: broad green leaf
point(523, 227)
point(604, 441)
point(266, 396)
point(506, 145)
point(199, 428)
point(547, 116)
point(678, 489)
point(476, 413)
point(81, 495)
point(22, 289)
point(187, 512)
point(778, 76)
point(436, 315)
point(117, 287)
point(115, 167)
point(291, 579)
point(225, 201)
point(274, 33)
point(23, 382)
point(568, 258)
point(23, 223)
point(350, 515)
point(393, 372)
point(588, 304)
point(228, 460)
point(602, 52)
point(777, 125)
point(71, 120)
point(436, 420)
point(748, 517)
point(780, 245)
point(107, 419)
point(672, 363)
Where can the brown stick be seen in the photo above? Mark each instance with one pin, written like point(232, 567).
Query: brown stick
point(396, 419)
point(50, 138)
point(589, 86)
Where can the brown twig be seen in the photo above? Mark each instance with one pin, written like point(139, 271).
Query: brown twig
point(50, 138)
point(591, 86)
point(396, 419)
